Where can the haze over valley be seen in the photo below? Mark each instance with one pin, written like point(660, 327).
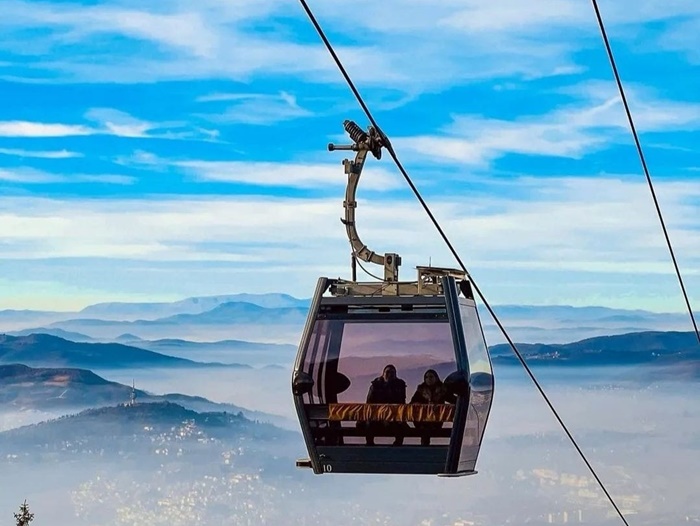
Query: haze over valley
point(203, 431)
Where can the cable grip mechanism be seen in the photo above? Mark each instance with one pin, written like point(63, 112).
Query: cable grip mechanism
point(371, 141)
point(363, 142)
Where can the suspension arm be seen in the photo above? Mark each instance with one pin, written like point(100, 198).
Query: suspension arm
point(363, 143)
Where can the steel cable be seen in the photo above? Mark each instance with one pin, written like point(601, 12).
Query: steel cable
point(396, 160)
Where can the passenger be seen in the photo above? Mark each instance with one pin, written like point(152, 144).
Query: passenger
point(431, 391)
point(386, 389)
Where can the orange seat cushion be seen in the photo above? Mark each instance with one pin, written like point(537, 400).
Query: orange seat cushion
point(392, 412)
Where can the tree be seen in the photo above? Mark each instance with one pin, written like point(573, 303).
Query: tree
point(24, 517)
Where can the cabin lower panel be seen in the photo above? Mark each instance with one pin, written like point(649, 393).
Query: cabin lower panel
point(404, 460)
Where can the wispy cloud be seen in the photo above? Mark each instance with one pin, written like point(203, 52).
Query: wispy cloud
point(41, 129)
point(119, 123)
point(683, 38)
point(142, 159)
point(210, 39)
point(115, 122)
point(255, 108)
point(561, 234)
point(563, 223)
point(185, 30)
point(32, 176)
point(55, 154)
point(571, 130)
point(278, 174)
point(28, 176)
point(106, 121)
point(176, 41)
point(117, 179)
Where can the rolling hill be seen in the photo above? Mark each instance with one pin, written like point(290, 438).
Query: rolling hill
point(60, 333)
point(71, 389)
point(26, 387)
point(649, 347)
point(239, 351)
point(52, 351)
point(140, 421)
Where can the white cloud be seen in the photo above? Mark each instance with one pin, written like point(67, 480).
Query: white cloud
point(255, 108)
point(28, 176)
point(39, 154)
point(293, 174)
point(566, 223)
point(570, 131)
point(40, 129)
point(101, 178)
point(428, 46)
point(107, 121)
point(683, 38)
point(119, 123)
point(33, 176)
point(650, 111)
point(558, 240)
point(186, 30)
point(163, 230)
point(509, 16)
point(142, 158)
point(187, 41)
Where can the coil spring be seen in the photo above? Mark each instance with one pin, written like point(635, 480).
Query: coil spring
point(355, 132)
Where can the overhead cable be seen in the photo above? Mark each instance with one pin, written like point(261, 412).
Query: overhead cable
point(425, 206)
point(642, 159)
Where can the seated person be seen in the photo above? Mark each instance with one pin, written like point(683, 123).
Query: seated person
point(386, 389)
point(431, 391)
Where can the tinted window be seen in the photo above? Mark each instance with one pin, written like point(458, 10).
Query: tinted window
point(413, 348)
point(360, 350)
point(480, 382)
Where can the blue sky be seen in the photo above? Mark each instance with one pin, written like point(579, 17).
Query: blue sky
point(153, 153)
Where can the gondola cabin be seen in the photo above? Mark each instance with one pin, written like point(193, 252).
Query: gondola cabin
point(392, 377)
point(393, 384)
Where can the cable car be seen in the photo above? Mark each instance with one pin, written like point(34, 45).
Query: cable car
point(391, 376)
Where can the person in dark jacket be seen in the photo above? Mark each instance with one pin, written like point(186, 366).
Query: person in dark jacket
point(431, 391)
point(386, 389)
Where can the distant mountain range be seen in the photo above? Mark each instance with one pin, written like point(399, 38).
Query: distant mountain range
point(233, 345)
point(648, 347)
point(251, 353)
point(279, 318)
point(197, 305)
point(130, 311)
point(52, 351)
point(568, 313)
point(60, 333)
point(651, 347)
point(563, 324)
point(231, 320)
